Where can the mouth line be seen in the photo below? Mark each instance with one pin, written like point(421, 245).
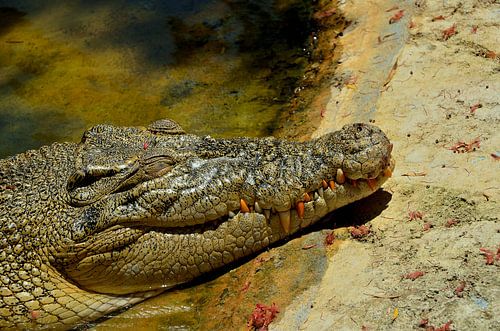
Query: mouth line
point(326, 191)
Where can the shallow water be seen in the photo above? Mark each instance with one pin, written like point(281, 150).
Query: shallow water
point(223, 68)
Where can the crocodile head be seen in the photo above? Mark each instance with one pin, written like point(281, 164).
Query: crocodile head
point(160, 207)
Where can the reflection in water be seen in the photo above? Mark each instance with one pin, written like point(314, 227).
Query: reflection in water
point(223, 68)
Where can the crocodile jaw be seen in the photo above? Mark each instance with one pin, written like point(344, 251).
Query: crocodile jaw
point(215, 202)
point(179, 257)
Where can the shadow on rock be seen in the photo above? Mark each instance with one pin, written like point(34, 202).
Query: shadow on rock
point(357, 213)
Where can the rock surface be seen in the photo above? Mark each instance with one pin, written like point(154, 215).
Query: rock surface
point(442, 91)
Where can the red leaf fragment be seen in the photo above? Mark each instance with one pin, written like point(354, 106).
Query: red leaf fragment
point(438, 18)
point(246, 286)
point(359, 231)
point(463, 147)
point(474, 29)
point(491, 55)
point(322, 112)
point(414, 275)
point(414, 214)
point(427, 226)
point(396, 17)
point(495, 156)
point(34, 314)
point(451, 31)
point(329, 238)
point(262, 316)
point(488, 254)
point(423, 322)
point(323, 14)
point(451, 222)
point(411, 25)
point(446, 327)
point(145, 146)
point(475, 107)
point(459, 289)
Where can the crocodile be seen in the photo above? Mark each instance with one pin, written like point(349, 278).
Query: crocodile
point(129, 212)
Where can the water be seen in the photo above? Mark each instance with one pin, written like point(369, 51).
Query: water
point(224, 68)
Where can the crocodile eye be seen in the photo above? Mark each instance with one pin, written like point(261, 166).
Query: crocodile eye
point(75, 180)
point(84, 187)
point(158, 166)
point(91, 183)
point(80, 179)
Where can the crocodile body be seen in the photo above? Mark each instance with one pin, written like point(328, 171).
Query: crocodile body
point(90, 228)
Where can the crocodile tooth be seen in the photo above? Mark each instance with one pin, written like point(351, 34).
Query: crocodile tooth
point(340, 176)
point(231, 214)
point(324, 184)
point(257, 208)
point(285, 220)
point(267, 213)
point(320, 192)
point(316, 196)
point(300, 209)
point(387, 172)
point(332, 185)
point(372, 182)
point(244, 207)
point(307, 198)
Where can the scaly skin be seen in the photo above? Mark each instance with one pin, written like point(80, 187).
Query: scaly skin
point(129, 212)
